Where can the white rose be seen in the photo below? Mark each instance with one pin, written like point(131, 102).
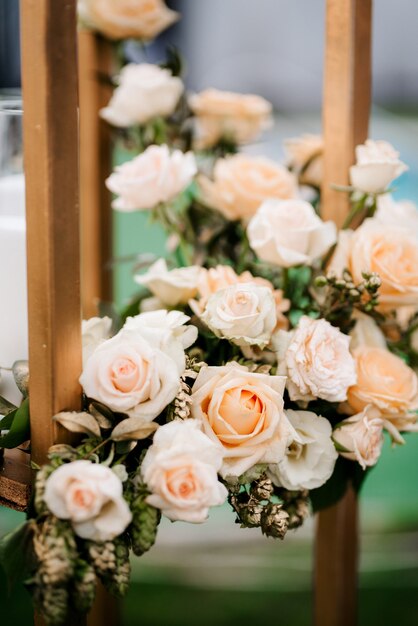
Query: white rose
point(129, 374)
point(289, 232)
point(377, 165)
point(310, 459)
point(243, 412)
point(90, 496)
point(402, 214)
point(317, 361)
point(125, 19)
point(362, 436)
point(171, 287)
point(304, 155)
point(224, 114)
point(152, 177)
point(145, 91)
point(244, 313)
point(163, 328)
point(93, 332)
point(180, 469)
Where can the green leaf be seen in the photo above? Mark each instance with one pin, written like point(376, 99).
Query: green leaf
point(15, 553)
point(19, 430)
point(6, 406)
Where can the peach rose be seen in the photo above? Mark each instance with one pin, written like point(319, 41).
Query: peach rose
point(243, 412)
point(391, 252)
point(126, 19)
point(304, 156)
point(377, 165)
point(223, 114)
point(244, 313)
point(398, 214)
point(386, 382)
point(289, 232)
point(171, 287)
point(310, 459)
point(154, 176)
point(180, 469)
point(362, 437)
point(241, 183)
point(90, 496)
point(144, 92)
point(317, 361)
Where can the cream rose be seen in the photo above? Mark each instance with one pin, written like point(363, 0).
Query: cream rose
point(145, 91)
point(223, 114)
point(362, 436)
point(154, 176)
point(304, 156)
point(391, 252)
point(241, 183)
point(397, 214)
point(310, 458)
point(289, 232)
point(131, 374)
point(171, 287)
point(244, 313)
point(166, 330)
point(243, 412)
point(386, 382)
point(90, 496)
point(93, 332)
point(180, 469)
point(125, 19)
point(222, 276)
point(317, 361)
point(377, 165)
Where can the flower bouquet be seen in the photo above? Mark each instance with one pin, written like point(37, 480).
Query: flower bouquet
point(260, 362)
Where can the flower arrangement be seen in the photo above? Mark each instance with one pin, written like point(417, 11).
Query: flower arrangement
point(261, 361)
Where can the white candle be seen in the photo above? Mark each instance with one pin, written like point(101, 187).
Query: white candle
point(13, 289)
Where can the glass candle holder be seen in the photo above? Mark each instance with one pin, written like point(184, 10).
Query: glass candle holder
point(13, 288)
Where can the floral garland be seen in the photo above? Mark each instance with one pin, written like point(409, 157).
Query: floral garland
point(260, 363)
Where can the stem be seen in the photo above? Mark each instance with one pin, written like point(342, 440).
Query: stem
point(355, 209)
point(100, 445)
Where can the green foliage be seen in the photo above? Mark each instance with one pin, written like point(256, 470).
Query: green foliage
point(18, 424)
point(145, 520)
point(16, 552)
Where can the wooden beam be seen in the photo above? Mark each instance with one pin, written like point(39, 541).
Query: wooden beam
point(346, 108)
point(95, 61)
point(347, 90)
point(336, 552)
point(49, 78)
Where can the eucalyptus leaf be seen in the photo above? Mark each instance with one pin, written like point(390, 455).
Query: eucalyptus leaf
point(15, 553)
point(133, 428)
point(78, 422)
point(19, 430)
point(20, 370)
point(101, 418)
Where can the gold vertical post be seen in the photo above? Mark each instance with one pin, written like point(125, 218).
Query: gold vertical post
point(95, 61)
point(346, 109)
point(49, 78)
point(347, 90)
